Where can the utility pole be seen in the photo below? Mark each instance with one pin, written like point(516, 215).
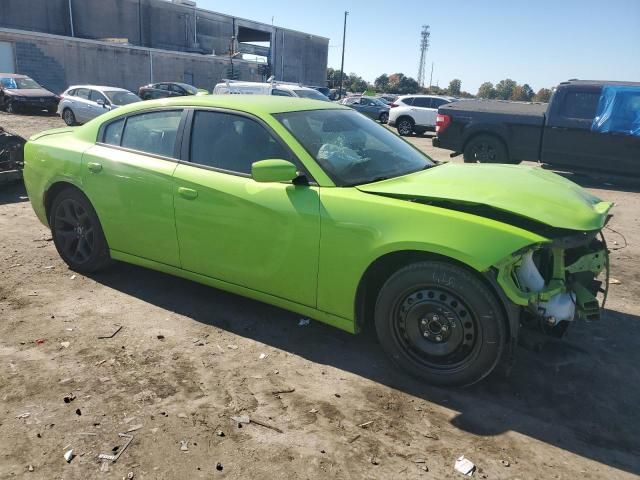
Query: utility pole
point(344, 36)
point(431, 76)
point(424, 46)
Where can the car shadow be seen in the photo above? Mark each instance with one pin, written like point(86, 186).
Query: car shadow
point(579, 395)
point(12, 192)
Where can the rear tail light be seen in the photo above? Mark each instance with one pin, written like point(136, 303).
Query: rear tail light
point(442, 122)
point(393, 105)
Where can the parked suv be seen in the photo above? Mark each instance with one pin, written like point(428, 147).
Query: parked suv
point(81, 103)
point(416, 113)
point(281, 89)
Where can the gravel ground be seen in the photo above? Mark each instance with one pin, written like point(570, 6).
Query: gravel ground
point(189, 357)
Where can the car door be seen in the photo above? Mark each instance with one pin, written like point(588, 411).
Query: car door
point(176, 90)
point(262, 236)
point(94, 109)
point(568, 139)
point(81, 105)
point(128, 176)
point(423, 112)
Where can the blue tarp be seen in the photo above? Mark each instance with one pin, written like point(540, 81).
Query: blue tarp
point(618, 110)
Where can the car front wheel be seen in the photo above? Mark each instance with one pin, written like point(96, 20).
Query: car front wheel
point(77, 233)
point(384, 117)
point(441, 323)
point(405, 126)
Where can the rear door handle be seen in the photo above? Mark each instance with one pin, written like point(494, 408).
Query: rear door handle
point(188, 193)
point(94, 167)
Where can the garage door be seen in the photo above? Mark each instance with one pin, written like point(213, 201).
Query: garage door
point(7, 62)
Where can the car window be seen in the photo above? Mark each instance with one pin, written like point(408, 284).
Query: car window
point(581, 105)
point(351, 148)
point(153, 132)
point(407, 101)
point(71, 92)
point(162, 86)
point(366, 102)
point(94, 96)
point(281, 93)
point(82, 93)
point(231, 142)
point(176, 89)
point(423, 102)
point(113, 132)
point(121, 97)
point(438, 102)
point(8, 83)
point(312, 94)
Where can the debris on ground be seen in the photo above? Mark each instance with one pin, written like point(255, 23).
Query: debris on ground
point(73, 277)
point(133, 428)
point(68, 455)
point(220, 433)
point(232, 347)
point(354, 439)
point(465, 466)
point(614, 281)
point(240, 419)
point(39, 341)
point(304, 322)
point(263, 356)
point(365, 424)
point(375, 461)
point(245, 419)
point(313, 410)
point(113, 334)
point(130, 475)
point(30, 468)
point(113, 458)
point(104, 466)
point(65, 344)
point(184, 445)
point(24, 415)
point(284, 390)
point(505, 463)
point(160, 337)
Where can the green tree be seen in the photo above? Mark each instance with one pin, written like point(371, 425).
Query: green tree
point(455, 86)
point(528, 92)
point(401, 84)
point(543, 95)
point(486, 90)
point(357, 84)
point(504, 89)
point(522, 93)
point(381, 83)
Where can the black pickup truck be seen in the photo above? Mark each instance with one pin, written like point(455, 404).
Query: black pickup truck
point(587, 125)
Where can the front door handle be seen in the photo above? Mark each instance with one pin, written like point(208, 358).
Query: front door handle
point(188, 193)
point(94, 167)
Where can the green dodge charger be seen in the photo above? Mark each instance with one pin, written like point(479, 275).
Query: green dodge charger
point(314, 208)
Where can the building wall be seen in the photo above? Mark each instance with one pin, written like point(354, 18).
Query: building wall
point(57, 62)
point(295, 56)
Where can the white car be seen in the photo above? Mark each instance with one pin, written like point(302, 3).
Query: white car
point(269, 88)
point(416, 113)
point(81, 103)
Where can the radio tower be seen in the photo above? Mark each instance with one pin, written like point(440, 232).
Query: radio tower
point(424, 46)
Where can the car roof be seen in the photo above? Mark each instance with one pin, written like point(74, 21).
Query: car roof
point(446, 97)
point(99, 87)
point(13, 75)
point(599, 83)
point(258, 104)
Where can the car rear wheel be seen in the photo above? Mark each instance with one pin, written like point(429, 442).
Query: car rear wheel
point(384, 117)
point(485, 149)
point(441, 323)
point(68, 117)
point(77, 233)
point(405, 126)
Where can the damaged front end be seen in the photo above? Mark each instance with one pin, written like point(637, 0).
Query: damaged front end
point(11, 156)
point(557, 282)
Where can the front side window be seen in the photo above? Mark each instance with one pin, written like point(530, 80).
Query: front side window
point(231, 142)
point(94, 96)
point(351, 148)
point(580, 105)
point(153, 132)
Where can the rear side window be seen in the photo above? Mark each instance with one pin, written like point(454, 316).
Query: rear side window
point(231, 142)
point(407, 101)
point(438, 102)
point(71, 92)
point(153, 132)
point(423, 102)
point(580, 105)
point(113, 132)
point(280, 93)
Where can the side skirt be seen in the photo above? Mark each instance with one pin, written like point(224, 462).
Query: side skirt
point(324, 317)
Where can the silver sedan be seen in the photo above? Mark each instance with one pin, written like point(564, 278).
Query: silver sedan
point(81, 103)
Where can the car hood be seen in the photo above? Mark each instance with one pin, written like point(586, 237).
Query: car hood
point(526, 192)
point(29, 92)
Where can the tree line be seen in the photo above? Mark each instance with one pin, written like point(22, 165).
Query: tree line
point(400, 84)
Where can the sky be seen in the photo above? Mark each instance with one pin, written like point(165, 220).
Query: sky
point(539, 42)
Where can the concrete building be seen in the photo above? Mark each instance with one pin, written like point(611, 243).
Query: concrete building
point(129, 43)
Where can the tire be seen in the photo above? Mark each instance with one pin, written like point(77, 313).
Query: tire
point(439, 322)
point(69, 117)
point(405, 126)
point(485, 149)
point(384, 117)
point(77, 233)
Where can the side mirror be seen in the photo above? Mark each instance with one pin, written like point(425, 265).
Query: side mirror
point(100, 102)
point(273, 170)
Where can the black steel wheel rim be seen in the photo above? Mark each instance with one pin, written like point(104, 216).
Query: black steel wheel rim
point(484, 152)
point(405, 127)
point(435, 328)
point(74, 231)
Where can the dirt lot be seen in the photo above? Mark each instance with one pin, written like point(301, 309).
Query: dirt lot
point(188, 357)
